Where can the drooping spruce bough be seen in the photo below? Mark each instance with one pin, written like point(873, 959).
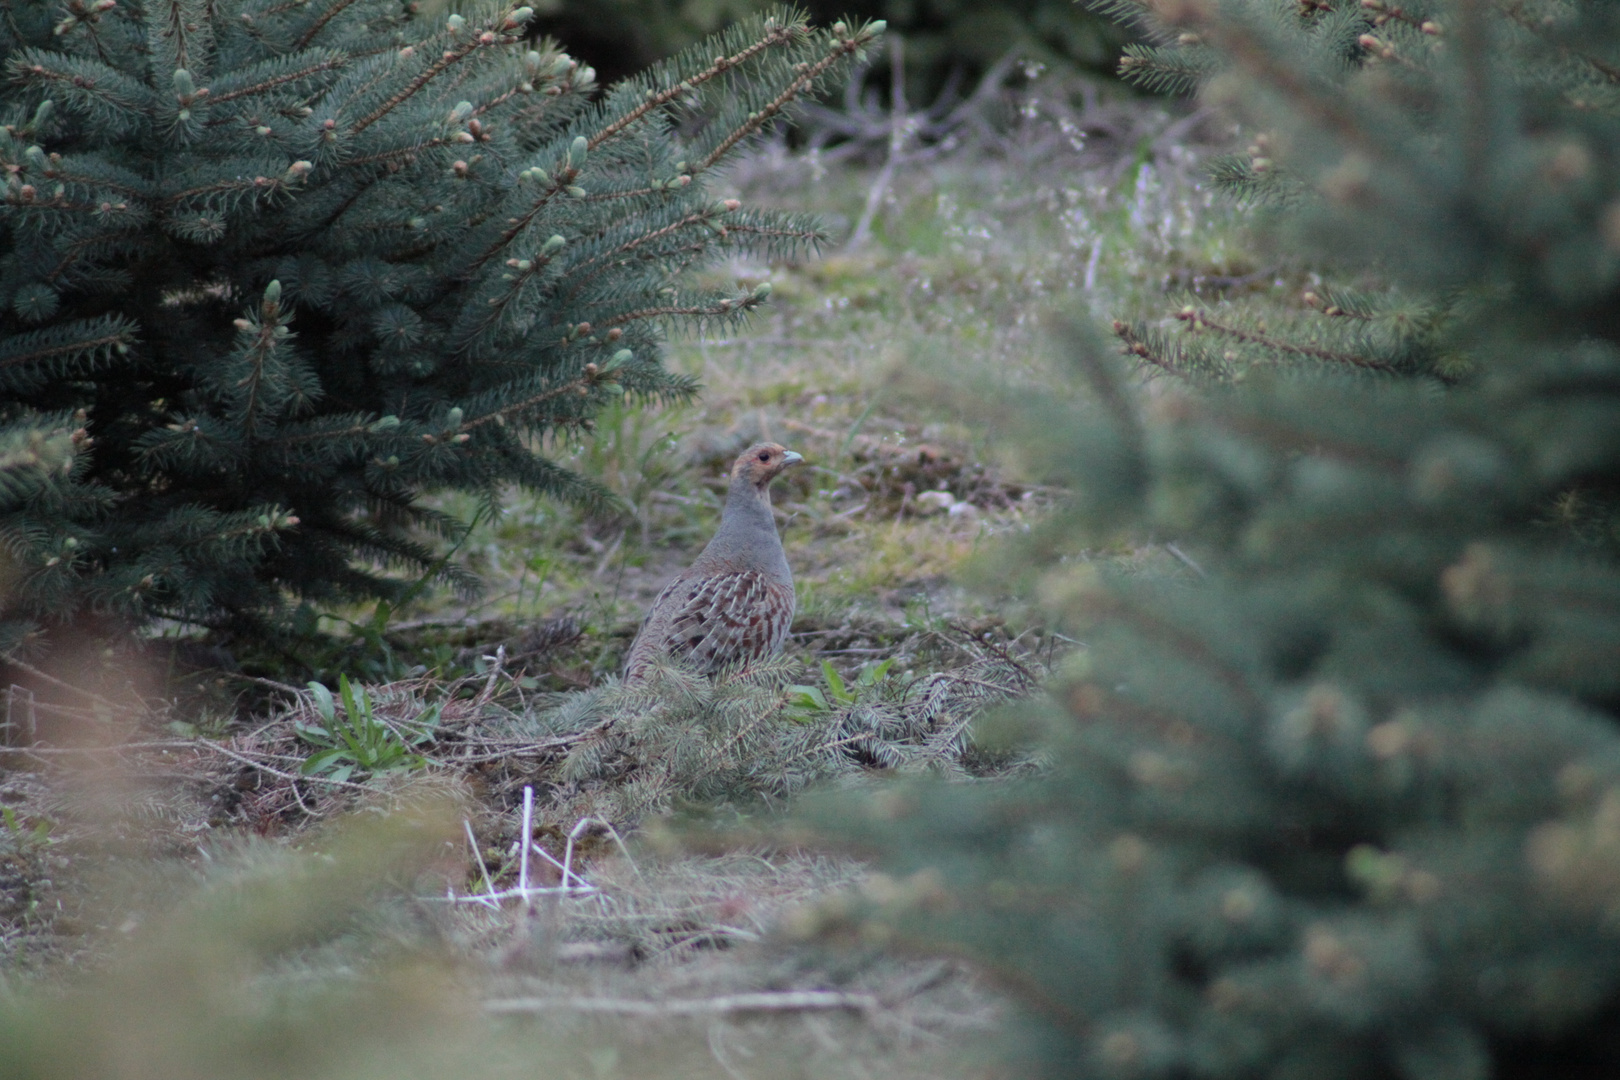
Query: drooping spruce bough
point(1413, 327)
point(274, 269)
point(1345, 801)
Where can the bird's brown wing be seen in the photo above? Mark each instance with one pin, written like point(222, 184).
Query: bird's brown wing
point(715, 621)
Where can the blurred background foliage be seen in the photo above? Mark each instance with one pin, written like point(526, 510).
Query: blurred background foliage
point(947, 41)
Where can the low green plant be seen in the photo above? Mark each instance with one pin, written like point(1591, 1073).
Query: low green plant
point(806, 702)
point(358, 741)
point(21, 839)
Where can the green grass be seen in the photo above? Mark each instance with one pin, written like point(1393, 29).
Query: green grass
point(967, 255)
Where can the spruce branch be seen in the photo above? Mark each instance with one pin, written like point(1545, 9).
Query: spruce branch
point(333, 10)
point(333, 62)
point(1383, 12)
point(1515, 10)
point(399, 155)
point(577, 386)
point(180, 21)
point(1167, 71)
point(526, 271)
point(85, 85)
point(450, 58)
point(1241, 44)
point(262, 185)
point(128, 190)
point(584, 271)
point(1199, 320)
point(724, 307)
point(1137, 347)
point(108, 335)
point(26, 198)
point(517, 225)
point(776, 35)
point(843, 49)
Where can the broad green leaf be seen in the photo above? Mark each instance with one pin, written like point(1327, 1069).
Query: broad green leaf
point(315, 763)
point(871, 674)
point(323, 701)
point(807, 696)
point(835, 682)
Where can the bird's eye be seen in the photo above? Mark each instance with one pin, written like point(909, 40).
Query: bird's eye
point(765, 456)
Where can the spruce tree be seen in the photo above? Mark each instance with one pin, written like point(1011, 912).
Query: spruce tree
point(279, 268)
point(1344, 800)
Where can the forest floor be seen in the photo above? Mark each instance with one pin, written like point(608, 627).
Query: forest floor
point(947, 253)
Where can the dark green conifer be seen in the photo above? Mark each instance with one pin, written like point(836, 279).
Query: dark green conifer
point(1340, 796)
point(279, 268)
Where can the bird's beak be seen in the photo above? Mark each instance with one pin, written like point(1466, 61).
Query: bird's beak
point(790, 458)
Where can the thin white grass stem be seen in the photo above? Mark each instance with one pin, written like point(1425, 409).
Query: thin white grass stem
point(1186, 559)
point(623, 850)
point(783, 1001)
point(523, 850)
point(493, 900)
point(568, 848)
point(498, 663)
point(567, 872)
point(472, 842)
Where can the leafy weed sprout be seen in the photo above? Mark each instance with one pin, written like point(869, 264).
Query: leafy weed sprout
point(806, 702)
point(358, 741)
point(21, 839)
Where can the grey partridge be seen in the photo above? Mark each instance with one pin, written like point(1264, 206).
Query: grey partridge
point(734, 605)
